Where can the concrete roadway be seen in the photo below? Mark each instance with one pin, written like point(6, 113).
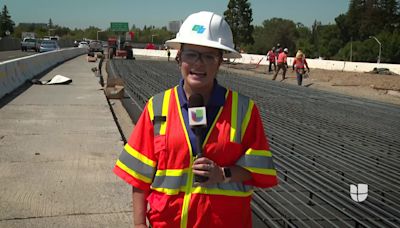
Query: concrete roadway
point(58, 145)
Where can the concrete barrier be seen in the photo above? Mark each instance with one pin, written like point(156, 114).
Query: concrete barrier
point(313, 63)
point(14, 73)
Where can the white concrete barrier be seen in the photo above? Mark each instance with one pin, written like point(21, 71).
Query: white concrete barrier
point(14, 73)
point(313, 63)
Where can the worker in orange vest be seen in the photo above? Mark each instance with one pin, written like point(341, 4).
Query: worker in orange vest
point(271, 57)
point(282, 64)
point(299, 64)
point(198, 149)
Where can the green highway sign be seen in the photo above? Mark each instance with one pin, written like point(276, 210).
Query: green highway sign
point(119, 26)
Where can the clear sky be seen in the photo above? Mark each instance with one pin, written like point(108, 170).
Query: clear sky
point(99, 13)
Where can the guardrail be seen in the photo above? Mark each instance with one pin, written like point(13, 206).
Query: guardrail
point(14, 73)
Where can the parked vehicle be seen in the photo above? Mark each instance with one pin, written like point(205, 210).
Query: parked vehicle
point(29, 44)
point(96, 46)
point(83, 44)
point(76, 43)
point(48, 45)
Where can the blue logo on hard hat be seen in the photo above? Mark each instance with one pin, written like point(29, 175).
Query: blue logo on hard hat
point(198, 28)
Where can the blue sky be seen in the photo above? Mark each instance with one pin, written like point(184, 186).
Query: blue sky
point(99, 13)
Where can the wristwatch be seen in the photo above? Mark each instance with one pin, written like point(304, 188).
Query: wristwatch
point(227, 174)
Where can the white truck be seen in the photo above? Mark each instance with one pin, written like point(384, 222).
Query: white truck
point(29, 44)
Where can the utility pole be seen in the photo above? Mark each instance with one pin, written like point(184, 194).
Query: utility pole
point(351, 49)
point(152, 36)
point(380, 47)
point(97, 37)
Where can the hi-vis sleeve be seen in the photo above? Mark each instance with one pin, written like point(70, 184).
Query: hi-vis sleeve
point(137, 163)
point(257, 157)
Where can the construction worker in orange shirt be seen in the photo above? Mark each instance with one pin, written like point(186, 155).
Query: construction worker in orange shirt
point(282, 64)
point(271, 57)
point(299, 64)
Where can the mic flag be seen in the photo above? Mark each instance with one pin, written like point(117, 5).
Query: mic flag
point(197, 111)
point(198, 122)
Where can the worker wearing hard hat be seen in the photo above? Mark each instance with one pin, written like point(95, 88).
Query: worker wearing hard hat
point(282, 64)
point(198, 149)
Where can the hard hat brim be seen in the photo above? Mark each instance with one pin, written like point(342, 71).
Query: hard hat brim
point(230, 52)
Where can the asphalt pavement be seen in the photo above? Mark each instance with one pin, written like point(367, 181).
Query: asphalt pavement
point(58, 145)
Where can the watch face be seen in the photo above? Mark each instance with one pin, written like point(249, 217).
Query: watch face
point(227, 172)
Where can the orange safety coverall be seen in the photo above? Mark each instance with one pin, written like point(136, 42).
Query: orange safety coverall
point(158, 158)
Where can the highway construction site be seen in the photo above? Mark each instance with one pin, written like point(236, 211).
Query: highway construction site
point(322, 142)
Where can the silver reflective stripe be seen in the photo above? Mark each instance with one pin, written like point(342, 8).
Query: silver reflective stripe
point(178, 182)
point(243, 104)
point(255, 161)
point(170, 182)
point(234, 186)
point(157, 110)
point(135, 164)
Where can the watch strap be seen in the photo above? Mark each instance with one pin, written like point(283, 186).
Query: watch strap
point(227, 174)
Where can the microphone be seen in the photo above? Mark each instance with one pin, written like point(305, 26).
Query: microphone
point(198, 122)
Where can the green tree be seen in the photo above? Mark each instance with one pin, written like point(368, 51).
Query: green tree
point(239, 16)
point(273, 31)
point(329, 41)
point(6, 24)
point(304, 40)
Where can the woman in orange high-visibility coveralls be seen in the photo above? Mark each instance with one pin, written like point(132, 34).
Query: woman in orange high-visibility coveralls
point(160, 161)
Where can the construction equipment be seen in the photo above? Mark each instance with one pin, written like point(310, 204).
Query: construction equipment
point(119, 48)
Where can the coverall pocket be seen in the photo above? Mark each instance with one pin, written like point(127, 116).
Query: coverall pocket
point(224, 154)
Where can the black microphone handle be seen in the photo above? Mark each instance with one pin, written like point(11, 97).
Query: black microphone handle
point(199, 150)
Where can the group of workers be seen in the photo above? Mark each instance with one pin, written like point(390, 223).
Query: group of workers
point(277, 57)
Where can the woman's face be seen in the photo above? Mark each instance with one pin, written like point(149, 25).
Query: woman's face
point(199, 66)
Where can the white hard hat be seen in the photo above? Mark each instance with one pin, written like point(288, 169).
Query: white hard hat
point(206, 29)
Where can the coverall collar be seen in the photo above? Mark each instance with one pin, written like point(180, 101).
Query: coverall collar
point(217, 98)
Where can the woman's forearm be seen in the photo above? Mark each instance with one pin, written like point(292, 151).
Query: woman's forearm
point(139, 206)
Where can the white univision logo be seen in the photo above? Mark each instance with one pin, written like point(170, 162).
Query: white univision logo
point(359, 192)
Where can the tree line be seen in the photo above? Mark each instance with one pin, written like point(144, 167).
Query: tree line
point(367, 28)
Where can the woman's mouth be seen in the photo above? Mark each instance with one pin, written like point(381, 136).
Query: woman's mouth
point(199, 74)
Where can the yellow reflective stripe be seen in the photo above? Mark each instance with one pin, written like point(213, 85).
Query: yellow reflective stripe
point(246, 120)
point(271, 172)
point(169, 191)
point(217, 191)
point(202, 190)
point(133, 173)
point(215, 121)
point(234, 115)
point(188, 187)
point(139, 156)
point(150, 108)
point(171, 172)
point(265, 153)
point(164, 112)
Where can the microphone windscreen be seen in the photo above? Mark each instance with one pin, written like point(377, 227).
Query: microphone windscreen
point(196, 100)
